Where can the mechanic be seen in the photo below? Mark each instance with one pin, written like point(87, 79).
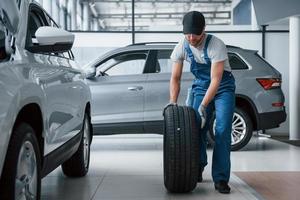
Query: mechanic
point(212, 88)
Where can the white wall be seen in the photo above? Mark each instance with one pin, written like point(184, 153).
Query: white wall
point(89, 46)
point(277, 54)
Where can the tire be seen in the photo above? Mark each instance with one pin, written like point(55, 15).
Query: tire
point(181, 149)
point(242, 129)
point(22, 153)
point(78, 164)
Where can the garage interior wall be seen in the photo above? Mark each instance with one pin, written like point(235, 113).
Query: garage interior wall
point(90, 45)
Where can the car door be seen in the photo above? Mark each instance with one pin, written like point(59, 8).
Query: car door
point(55, 78)
point(157, 92)
point(76, 88)
point(118, 93)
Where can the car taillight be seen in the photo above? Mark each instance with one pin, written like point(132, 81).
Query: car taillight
point(269, 83)
point(278, 104)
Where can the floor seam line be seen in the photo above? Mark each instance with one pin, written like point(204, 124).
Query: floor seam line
point(99, 185)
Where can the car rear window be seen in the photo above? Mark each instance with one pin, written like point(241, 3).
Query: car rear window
point(236, 63)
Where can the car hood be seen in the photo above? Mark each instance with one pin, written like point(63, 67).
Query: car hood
point(9, 15)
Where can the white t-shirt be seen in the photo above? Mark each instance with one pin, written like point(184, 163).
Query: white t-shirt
point(216, 51)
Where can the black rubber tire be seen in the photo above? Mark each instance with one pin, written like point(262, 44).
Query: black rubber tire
point(248, 134)
point(75, 166)
point(22, 133)
point(180, 149)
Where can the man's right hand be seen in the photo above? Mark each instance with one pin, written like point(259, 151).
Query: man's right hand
point(169, 104)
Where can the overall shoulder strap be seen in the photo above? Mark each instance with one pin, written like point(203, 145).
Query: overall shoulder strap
point(207, 59)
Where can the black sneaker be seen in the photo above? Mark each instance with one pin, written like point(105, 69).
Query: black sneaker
point(200, 178)
point(222, 187)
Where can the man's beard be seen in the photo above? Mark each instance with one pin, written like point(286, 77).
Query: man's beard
point(199, 42)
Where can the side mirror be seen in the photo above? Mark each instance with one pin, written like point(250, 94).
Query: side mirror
point(52, 40)
point(90, 72)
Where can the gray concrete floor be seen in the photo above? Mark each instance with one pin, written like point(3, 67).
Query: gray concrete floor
point(130, 167)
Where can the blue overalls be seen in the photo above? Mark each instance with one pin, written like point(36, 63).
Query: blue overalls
point(224, 104)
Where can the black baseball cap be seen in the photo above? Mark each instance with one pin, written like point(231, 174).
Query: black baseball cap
point(193, 23)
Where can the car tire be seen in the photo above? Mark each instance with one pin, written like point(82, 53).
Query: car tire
point(242, 129)
point(180, 149)
point(22, 153)
point(78, 164)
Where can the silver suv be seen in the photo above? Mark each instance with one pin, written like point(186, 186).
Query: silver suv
point(45, 102)
point(130, 87)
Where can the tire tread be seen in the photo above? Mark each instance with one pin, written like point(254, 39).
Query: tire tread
point(181, 149)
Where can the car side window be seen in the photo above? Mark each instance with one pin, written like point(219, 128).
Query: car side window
point(34, 23)
point(164, 63)
point(125, 64)
point(236, 63)
point(36, 19)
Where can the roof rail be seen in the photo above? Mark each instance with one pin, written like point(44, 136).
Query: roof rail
point(150, 43)
point(153, 43)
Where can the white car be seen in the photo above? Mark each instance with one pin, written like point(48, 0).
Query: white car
point(45, 102)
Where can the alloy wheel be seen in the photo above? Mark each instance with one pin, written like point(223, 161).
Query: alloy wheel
point(26, 177)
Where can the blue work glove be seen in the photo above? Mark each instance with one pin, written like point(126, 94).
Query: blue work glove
point(203, 115)
point(169, 104)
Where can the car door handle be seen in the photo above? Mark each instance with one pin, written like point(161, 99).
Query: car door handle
point(135, 88)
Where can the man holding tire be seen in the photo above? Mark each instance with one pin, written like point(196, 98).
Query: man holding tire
point(212, 89)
